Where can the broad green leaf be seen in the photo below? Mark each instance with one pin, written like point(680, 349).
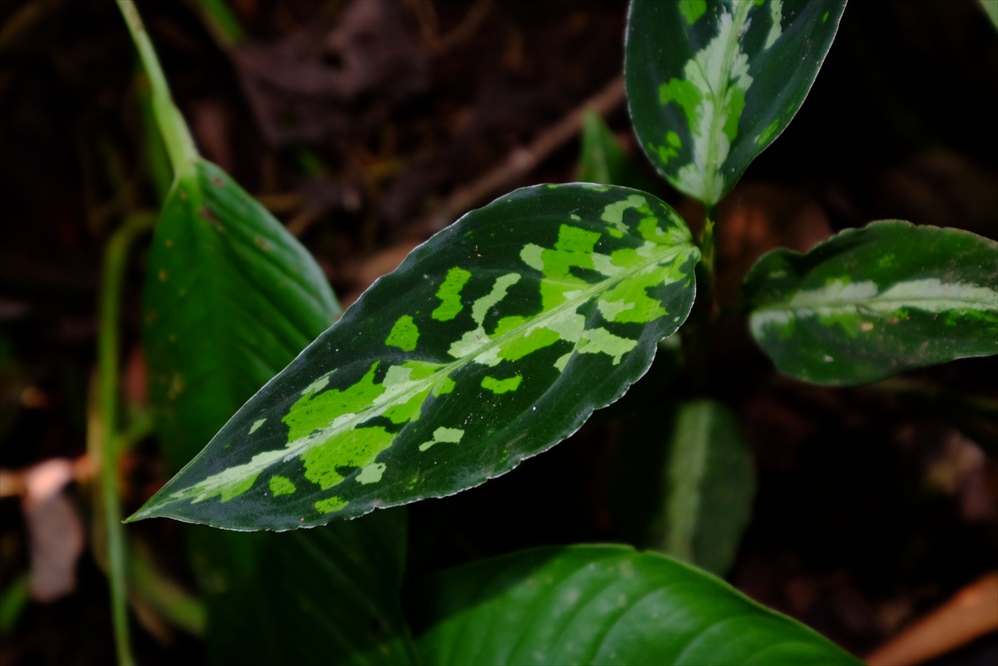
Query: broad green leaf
point(323, 596)
point(870, 303)
point(711, 83)
point(709, 487)
point(489, 344)
point(603, 160)
point(605, 605)
point(230, 299)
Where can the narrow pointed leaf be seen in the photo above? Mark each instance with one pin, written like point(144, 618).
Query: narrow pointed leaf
point(709, 484)
point(682, 482)
point(492, 342)
point(230, 299)
point(711, 83)
point(870, 303)
point(602, 605)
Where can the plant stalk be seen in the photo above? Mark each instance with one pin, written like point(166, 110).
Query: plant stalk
point(177, 138)
point(115, 260)
point(699, 330)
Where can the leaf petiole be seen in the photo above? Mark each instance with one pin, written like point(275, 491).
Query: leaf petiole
point(177, 138)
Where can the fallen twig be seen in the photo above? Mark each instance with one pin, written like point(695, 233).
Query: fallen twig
point(971, 613)
point(521, 160)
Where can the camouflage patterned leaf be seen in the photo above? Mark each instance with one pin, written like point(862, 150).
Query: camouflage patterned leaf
point(870, 303)
point(711, 83)
point(492, 342)
point(602, 605)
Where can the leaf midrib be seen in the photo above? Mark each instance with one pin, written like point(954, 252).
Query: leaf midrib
point(716, 127)
point(533, 322)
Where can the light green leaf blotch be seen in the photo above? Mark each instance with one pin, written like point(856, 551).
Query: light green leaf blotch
point(371, 473)
point(449, 294)
point(441, 435)
point(500, 386)
point(775, 29)
point(613, 214)
point(311, 412)
point(767, 132)
point(404, 334)
point(692, 9)
point(474, 340)
point(281, 485)
point(256, 425)
point(230, 490)
point(352, 448)
point(330, 505)
point(670, 148)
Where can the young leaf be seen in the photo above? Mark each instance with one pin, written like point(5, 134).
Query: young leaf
point(681, 482)
point(491, 342)
point(602, 160)
point(602, 605)
point(711, 83)
point(231, 297)
point(710, 483)
point(870, 303)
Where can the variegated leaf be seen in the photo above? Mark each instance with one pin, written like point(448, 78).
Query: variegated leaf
point(602, 605)
point(492, 342)
point(711, 83)
point(870, 303)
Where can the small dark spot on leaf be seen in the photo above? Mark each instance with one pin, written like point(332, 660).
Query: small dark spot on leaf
point(217, 181)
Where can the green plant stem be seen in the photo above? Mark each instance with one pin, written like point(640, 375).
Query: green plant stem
point(708, 253)
point(699, 330)
point(115, 260)
point(177, 138)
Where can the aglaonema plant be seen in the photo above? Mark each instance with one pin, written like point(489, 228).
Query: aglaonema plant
point(500, 336)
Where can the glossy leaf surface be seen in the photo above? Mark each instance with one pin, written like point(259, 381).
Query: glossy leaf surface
point(490, 343)
point(711, 83)
point(230, 299)
point(605, 605)
point(709, 484)
point(872, 302)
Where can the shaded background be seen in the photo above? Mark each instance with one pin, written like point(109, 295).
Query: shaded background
point(355, 122)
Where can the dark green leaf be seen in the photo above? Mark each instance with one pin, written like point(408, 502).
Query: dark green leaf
point(681, 481)
point(710, 484)
point(606, 605)
point(711, 83)
point(870, 303)
point(322, 596)
point(490, 343)
point(230, 299)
